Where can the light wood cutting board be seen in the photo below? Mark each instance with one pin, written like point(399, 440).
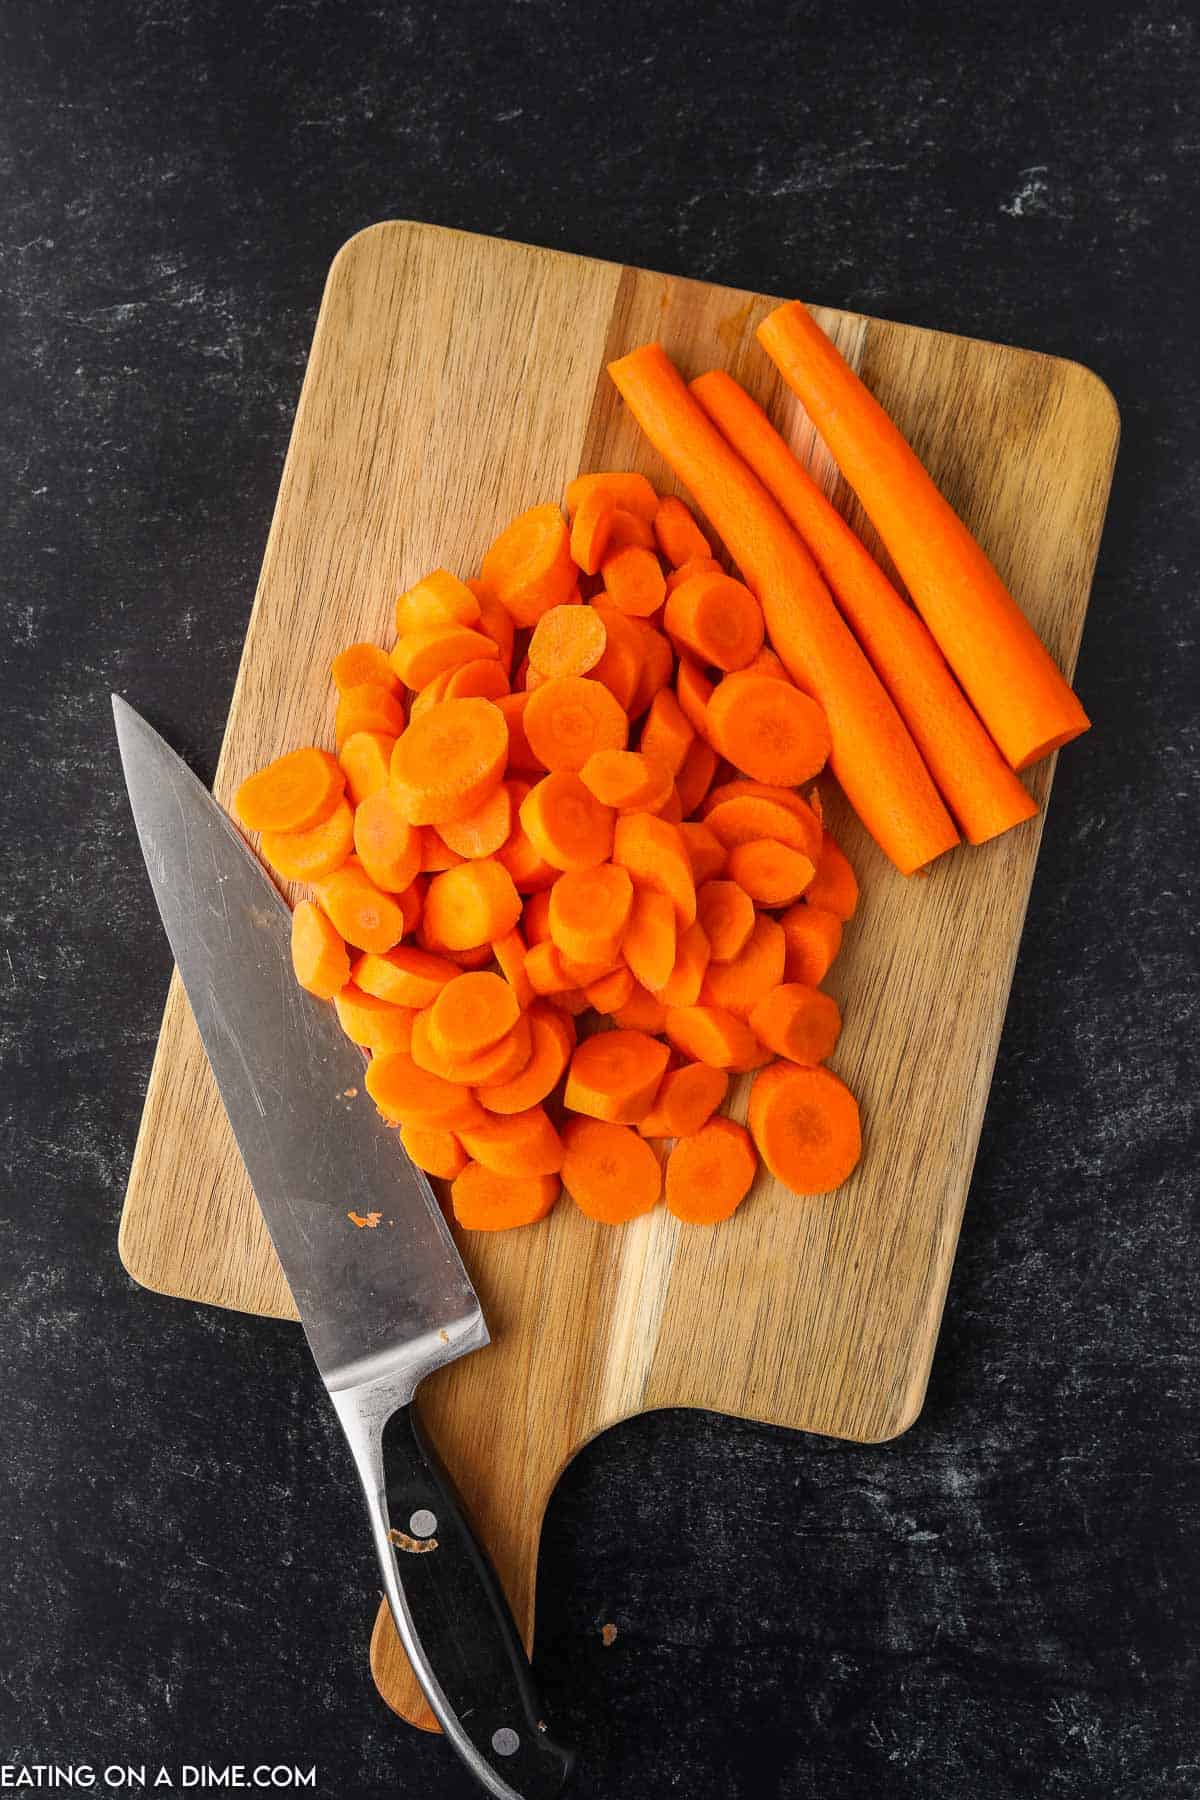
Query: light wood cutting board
point(453, 381)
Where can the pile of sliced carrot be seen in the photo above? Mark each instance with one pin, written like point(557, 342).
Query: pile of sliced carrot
point(569, 873)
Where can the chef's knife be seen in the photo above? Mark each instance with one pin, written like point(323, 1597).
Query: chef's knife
point(383, 1302)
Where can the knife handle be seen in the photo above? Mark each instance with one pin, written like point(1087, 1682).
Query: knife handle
point(450, 1611)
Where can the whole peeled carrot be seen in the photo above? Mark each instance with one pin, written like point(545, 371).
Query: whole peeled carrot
point(874, 758)
point(975, 781)
point(1008, 675)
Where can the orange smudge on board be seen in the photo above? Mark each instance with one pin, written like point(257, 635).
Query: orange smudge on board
point(364, 1221)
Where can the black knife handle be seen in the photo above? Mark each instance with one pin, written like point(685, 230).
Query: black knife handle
point(454, 1621)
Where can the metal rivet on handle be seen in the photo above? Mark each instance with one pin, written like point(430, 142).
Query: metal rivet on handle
point(423, 1523)
point(505, 1741)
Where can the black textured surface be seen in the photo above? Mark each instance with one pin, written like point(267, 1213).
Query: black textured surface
point(1003, 1602)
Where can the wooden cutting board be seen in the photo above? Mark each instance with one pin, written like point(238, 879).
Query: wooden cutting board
point(453, 381)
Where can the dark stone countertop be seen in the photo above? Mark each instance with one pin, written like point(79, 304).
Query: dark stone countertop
point(1003, 1602)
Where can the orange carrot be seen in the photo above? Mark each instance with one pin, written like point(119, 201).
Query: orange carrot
point(566, 824)
point(654, 853)
point(470, 1014)
point(620, 668)
point(567, 640)
point(496, 623)
point(626, 780)
point(544, 969)
point(367, 708)
point(614, 1075)
point(520, 753)
point(294, 793)
point(629, 531)
point(679, 537)
point(363, 914)
point(319, 956)
point(410, 1095)
point(695, 775)
point(686, 1100)
point(422, 655)
point(439, 599)
point(658, 666)
point(406, 976)
point(483, 679)
point(812, 939)
point(485, 1201)
point(981, 790)
point(570, 717)
point(610, 1173)
point(365, 760)
point(500, 1062)
point(436, 853)
point(535, 921)
point(693, 690)
point(1009, 677)
point(474, 904)
point(682, 986)
point(710, 1173)
point(739, 984)
point(745, 817)
point(611, 992)
point(773, 874)
point(388, 847)
point(643, 1011)
point(433, 692)
point(363, 664)
point(311, 855)
point(713, 1035)
point(726, 913)
point(806, 1126)
point(530, 871)
point(448, 762)
point(436, 1151)
point(698, 565)
point(631, 492)
point(833, 886)
point(521, 1143)
point(717, 619)
point(705, 851)
point(797, 1022)
point(874, 757)
point(672, 808)
point(484, 831)
point(529, 569)
point(591, 529)
point(768, 728)
point(373, 1024)
point(666, 735)
point(589, 911)
point(633, 581)
point(552, 1040)
point(510, 951)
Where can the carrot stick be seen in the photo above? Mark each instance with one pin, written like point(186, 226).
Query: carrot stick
point(611, 1174)
point(474, 904)
point(521, 1143)
point(981, 790)
point(797, 1022)
point(294, 793)
point(449, 761)
point(710, 1173)
point(310, 855)
point(812, 939)
point(319, 957)
point(567, 640)
point(553, 1039)
point(1007, 673)
point(874, 757)
point(485, 1201)
point(717, 619)
point(570, 717)
point(686, 1100)
point(470, 1014)
point(614, 1075)
point(806, 1126)
point(436, 1151)
point(566, 824)
point(768, 728)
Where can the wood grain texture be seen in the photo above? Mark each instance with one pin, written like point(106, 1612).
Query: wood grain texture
point(454, 380)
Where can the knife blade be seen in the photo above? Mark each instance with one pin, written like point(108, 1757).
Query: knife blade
point(382, 1304)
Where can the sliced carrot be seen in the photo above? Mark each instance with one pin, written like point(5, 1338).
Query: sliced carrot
point(658, 666)
point(611, 1174)
point(614, 1075)
point(510, 954)
point(589, 911)
point(411, 903)
point(570, 717)
point(494, 620)
point(410, 1095)
point(432, 693)
point(439, 599)
point(448, 762)
point(682, 986)
point(620, 668)
point(566, 824)
point(485, 1201)
point(693, 690)
point(484, 831)
point(484, 679)
point(529, 569)
point(364, 915)
point(367, 708)
point(319, 957)
point(388, 847)
point(521, 1143)
point(544, 969)
point(436, 853)
point(632, 492)
point(294, 793)
point(366, 758)
point(649, 943)
point(717, 619)
point(834, 886)
point(570, 1000)
point(710, 1173)
point(769, 729)
point(436, 1151)
point(744, 818)
point(567, 640)
point(773, 874)
point(611, 992)
point(666, 734)
point(706, 853)
point(672, 807)
point(633, 581)
point(552, 1040)
point(726, 913)
point(643, 1011)
point(812, 939)
point(764, 790)
point(686, 1100)
point(422, 655)
point(470, 1014)
point(591, 528)
point(767, 663)
point(629, 531)
point(373, 1024)
point(474, 904)
point(406, 976)
point(805, 1123)
point(739, 984)
point(797, 1022)
point(626, 780)
point(521, 756)
point(535, 920)
point(310, 855)
point(698, 565)
point(679, 537)
point(583, 972)
point(653, 851)
point(695, 775)
point(500, 1062)
point(360, 665)
point(711, 1034)
point(530, 871)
